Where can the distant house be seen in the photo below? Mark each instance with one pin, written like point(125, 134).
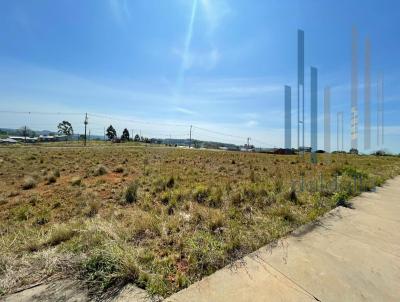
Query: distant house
point(52, 138)
point(8, 141)
point(306, 149)
point(244, 149)
point(281, 151)
point(24, 139)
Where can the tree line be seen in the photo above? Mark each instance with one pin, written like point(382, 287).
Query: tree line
point(111, 134)
point(65, 128)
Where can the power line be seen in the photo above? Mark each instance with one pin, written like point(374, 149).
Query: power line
point(111, 118)
point(39, 112)
point(134, 121)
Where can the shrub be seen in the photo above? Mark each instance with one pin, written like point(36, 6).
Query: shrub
point(340, 200)
point(170, 182)
point(92, 208)
point(22, 213)
point(60, 234)
point(215, 198)
point(205, 252)
point(130, 194)
point(100, 170)
point(159, 185)
point(171, 206)
point(51, 178)
point(29, 183)
point(2, 200)
point(353, 172)
point(119, 169)
point(144, 226)
point(291, 195)
point(100, 269)
point(200, 193)
point(111, 266)
point(56, 173)
point(165, 197)
point(284, 212)
point(43, 217)
point(76, 181)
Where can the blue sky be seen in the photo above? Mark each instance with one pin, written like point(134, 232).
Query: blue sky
point(159, 66)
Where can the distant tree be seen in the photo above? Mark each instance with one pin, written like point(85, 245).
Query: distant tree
point(111, 133)
point(353, 151)
point(380, 153)
point(136, 138)
point(125, 135)
point(65, 128)
point(26, 132)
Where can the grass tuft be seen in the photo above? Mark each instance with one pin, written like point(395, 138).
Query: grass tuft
point(29, 183)
point(130, 194)
point(76, 181)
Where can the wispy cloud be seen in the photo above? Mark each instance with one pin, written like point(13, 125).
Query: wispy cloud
point(184, 110)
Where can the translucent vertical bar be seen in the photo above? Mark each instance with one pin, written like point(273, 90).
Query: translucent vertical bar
point(314, 114)
point(342, 127)
point(382, 112)
point(354, 89)
point(300, 56)
point(327, 119)
point(337, 131)
point(300, 88)
point(288, 117)
point(380, 107)
point(339, 134)
point(367, 96)
point(378, 116)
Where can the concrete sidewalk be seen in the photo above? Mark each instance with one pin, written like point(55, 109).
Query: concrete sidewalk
point(350, 255)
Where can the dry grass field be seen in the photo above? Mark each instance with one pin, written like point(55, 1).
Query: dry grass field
point(161, 218)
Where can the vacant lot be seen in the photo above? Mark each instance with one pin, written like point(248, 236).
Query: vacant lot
point(160, 218)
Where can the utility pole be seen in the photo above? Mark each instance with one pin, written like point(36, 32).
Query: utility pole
point(190, 137)
point(89, 135)
point(85, 122)
point(25, 134)
point(104, 134)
